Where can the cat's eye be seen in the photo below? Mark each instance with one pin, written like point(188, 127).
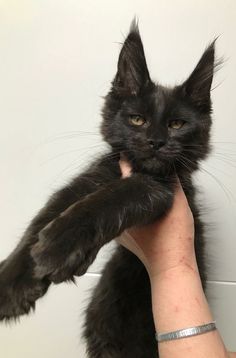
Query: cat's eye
point(176, 124)
point(136, 120)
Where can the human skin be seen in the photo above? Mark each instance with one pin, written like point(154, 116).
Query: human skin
point(166, 248)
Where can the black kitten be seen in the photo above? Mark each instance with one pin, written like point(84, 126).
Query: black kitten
point(163, 132)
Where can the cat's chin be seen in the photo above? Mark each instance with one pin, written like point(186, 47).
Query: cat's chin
point(150, 164)
point(153, 165)
point(156, 165)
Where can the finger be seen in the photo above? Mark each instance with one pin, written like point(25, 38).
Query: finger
point(125, 168)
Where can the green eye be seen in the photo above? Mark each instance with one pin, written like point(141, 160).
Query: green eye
point(136, 120)
point(176, 124)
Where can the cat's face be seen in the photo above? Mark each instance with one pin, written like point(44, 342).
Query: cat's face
point(158, 127)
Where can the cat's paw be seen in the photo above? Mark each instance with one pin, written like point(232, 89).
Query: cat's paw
point(18, 292)
point(65, 248)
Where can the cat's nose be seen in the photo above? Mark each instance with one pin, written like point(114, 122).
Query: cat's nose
point(156, 144)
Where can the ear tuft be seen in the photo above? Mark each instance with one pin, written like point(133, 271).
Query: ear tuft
point(198, 86)
point(134, 26)
point(132, 72)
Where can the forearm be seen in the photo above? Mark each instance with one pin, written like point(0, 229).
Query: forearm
point(179, 302)
point(167, 250)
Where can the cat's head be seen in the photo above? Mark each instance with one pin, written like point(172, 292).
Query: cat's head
point(158, 127)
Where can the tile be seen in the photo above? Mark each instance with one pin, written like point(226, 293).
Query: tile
point(54, 330)
point(217, 199)
point(222, 297)
point(103, 257)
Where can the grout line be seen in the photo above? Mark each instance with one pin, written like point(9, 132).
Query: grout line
point(95, 274)
point(222, 282)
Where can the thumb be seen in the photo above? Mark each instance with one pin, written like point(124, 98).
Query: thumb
point(125, 168)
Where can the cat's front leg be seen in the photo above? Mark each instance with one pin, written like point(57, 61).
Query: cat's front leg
point(19, 287)
point(69, 244)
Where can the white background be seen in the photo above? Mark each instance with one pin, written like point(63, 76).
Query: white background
point(57, 59)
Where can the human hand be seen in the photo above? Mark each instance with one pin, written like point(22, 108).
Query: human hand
point(168, 242)
point(166, 248)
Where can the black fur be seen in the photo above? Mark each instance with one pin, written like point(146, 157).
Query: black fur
point(64, 238)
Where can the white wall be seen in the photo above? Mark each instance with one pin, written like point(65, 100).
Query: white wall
point(57, 59)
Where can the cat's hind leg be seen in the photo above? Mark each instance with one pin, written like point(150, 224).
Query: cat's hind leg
point(119, 320)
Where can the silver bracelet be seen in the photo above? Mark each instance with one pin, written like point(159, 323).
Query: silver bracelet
point(187, 332)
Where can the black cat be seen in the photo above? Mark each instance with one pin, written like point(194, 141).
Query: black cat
point(163, 132)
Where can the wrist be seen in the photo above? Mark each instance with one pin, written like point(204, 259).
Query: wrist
point(178, 299)
point(178, 302)
point(177, 262)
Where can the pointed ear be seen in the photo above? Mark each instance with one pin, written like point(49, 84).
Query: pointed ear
point(132, 72)
point(197, 87)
